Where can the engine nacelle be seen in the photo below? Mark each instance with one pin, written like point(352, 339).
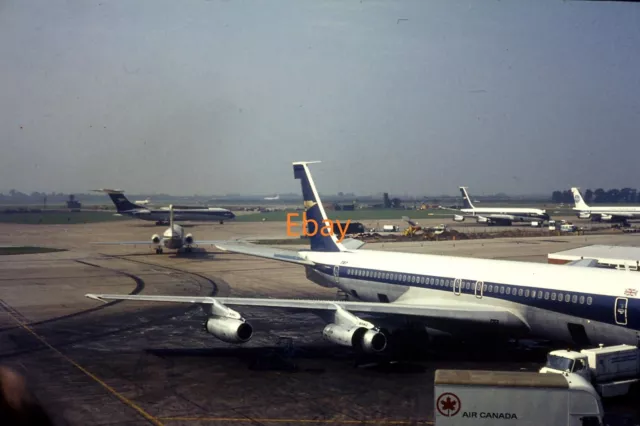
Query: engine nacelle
point(606, 216)
point(482, 219)
point(584, 215)
point(369, 341)
point(229, 330)
point(458, 218)
point(188, 239)
point(155, 239)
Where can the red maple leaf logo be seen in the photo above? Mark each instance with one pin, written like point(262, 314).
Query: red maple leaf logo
point(448, 404)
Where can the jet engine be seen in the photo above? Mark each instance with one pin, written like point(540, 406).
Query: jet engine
point(606, 217)
point(229, 330)
point(458, 218)
point(188, 239)
point(155, 239)
point(367, 340)
point(482, 219)
point(584, 215)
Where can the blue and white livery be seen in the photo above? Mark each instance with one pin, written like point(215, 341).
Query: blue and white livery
point(454, 295)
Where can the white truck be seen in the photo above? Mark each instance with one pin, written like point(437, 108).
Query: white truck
point(612, 370)
point(489, 398)
point(390, 228)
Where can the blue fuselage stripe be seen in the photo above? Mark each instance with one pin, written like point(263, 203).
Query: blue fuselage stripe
point(589, 306)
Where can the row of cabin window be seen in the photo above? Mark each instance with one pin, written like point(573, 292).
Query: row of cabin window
point(490, 288)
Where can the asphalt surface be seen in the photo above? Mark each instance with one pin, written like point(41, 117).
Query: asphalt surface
point(142, 363)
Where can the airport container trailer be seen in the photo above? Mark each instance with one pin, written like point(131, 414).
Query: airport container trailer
point(390, 228)
point(488, 398)
point(612, 370)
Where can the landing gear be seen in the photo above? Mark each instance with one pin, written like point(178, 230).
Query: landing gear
point(222, 222)
point(188, 249)
point(159, 250)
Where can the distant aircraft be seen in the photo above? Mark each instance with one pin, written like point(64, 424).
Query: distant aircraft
point(173, 238)
point(498, 215)
point(419, 293)
point(619, 214)
point(161, 215)
point(277, 197)
point(143, 202)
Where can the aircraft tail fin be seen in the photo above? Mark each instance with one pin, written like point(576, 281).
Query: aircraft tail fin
point(466, 200)
point(121, 202)
point(171, 216)
point(314, 210)
point(579, 200)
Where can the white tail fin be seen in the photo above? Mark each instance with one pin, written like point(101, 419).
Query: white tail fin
point(577, 197)
point(171, 216)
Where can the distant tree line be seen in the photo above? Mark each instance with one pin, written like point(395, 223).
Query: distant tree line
point(599, 196)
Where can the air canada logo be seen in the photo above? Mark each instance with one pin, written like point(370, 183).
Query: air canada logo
point(448, 404)
point(576, 198)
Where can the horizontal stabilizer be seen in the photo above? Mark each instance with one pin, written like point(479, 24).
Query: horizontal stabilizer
point(588, 263)
point(352, 243)
point(264, 251)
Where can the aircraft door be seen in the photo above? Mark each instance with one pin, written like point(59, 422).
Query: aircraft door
point(336, 274)
point(621, 310)
point(457, 286)
point(479, 289)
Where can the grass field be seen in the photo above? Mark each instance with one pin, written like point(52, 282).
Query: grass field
point(5, 251)
point(54, 218)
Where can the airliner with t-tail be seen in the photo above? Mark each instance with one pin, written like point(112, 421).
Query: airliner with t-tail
point(392, 291)
point(161, 216)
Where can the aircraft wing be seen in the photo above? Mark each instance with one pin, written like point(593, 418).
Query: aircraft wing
point(145, 242)
point(265, 252)
point(435, 311)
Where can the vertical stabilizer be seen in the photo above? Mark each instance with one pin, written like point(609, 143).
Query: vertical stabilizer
point(466, 200)
point(577, 197)
point(314, 210)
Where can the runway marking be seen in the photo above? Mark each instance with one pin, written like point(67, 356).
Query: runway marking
point(296, 421)
point(115, 393)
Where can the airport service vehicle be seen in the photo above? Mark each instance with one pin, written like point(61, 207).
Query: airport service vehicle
point(423, 295)
point(172, 238)
point(161, 216)
point(612, 370)
point(390, 228)
point(620, 214)
point(489, 398)
point(503, 216)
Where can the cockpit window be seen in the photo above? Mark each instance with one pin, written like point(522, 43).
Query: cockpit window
point(559, 363)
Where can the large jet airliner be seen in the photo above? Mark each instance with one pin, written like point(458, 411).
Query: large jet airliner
point(606, 213)
point(451, 294)
point(498, 215)
point(173, 238)
point(161, 216)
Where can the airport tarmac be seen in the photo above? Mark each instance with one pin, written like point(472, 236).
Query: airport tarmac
point(140, 363)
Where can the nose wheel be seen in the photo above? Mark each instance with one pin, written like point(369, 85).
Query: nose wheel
point(159, 250)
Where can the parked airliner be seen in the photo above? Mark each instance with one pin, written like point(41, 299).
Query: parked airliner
point(277, 197)
point(173, 238)
point(161, 216)
point(454, 295)
point(498, 215)
point(603, 213)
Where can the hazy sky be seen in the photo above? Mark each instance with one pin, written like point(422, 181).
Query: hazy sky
point(216, 96)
